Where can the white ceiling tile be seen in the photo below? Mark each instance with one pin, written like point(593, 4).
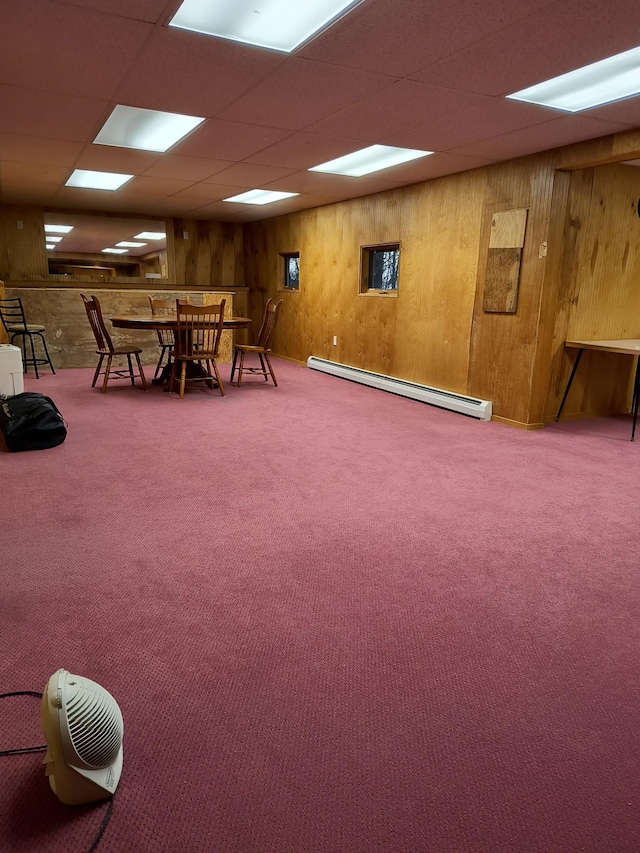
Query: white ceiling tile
point(400, 72)
point(394, 109)
point(300, 92)
point(568, 35)
point(34, 149)
point(398, 37)
point(65, 49)
point(542, 137)
point(229, 140)
point(31, 112)
point(193, 74)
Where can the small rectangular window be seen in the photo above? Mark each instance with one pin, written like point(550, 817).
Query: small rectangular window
point(379, 268)
point(291, 270)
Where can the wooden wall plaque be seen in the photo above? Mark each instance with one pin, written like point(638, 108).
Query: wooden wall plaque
point(502, 271)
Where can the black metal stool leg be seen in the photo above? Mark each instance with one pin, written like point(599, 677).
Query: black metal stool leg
point(33, 356)
point(46, 352)
point(566, 390)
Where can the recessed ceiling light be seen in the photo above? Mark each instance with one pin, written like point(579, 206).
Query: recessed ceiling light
point(97, 180)
point(115, 251)
point(259, 197)
point(58, 229)
point(150, 235)
point(147, 130)
point(129, 245)
point(51, 246)
point(277, 24)
point(51, 239)
point(601, 82)
point(371, 159)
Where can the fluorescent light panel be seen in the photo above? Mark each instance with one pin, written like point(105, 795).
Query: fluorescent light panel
point(58, 229)
point(51, 239)
point(277, 24)
point(601, 82)
point(368, 160)
point(146, 130)
point(51, 246)
point(129, 245)
point(115, 251)
point(150, 235)
point(97, 180)
point(259, 197)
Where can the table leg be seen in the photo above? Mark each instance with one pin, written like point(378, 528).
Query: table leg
point(566, 390)
point(636, 396)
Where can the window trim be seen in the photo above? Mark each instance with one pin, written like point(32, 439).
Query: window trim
point(365, 262)
point(282, 275)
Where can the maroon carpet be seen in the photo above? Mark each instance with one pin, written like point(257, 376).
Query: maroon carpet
point(336, 621)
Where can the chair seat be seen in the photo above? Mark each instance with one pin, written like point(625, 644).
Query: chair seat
point(249, 348)
point(120, 351)
point(28, 328)
point(202, 355)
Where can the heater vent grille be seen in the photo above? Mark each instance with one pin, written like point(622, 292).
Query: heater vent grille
point(95, 722)
point(471, 406)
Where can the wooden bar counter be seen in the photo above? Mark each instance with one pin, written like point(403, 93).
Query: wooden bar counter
point(69, 337)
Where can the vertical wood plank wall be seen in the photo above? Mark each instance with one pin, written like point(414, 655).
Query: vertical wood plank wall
point(579, 274)
point(199, 253)
point(421, 335)
point(436, 331)
point(599, 292)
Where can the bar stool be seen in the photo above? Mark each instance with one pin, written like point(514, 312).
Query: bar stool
point(15, 325)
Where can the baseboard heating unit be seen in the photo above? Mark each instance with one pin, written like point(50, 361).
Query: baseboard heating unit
point(470, 406)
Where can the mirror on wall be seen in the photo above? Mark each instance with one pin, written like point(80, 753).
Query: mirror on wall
point(104, 247)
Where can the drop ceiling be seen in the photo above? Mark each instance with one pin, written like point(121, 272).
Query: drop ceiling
point(426, 74)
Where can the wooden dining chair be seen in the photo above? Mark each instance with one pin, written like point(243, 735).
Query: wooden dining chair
point(197, 344)
point(163, 308)
point(261, 348)
point(107, 350)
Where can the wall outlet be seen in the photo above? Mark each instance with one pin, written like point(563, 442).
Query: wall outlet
point(185, 235)
point(19, 224)
point(335, 340)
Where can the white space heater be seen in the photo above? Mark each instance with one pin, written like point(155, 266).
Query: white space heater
point(11, 379)
point(471, 406)
point(83, 727)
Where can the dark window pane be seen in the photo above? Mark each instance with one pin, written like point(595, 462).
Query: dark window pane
point(383, 269)
point(292, 271)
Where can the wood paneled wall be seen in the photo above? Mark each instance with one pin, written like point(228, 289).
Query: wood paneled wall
point(421, 335)
point(199, 253)
point(436, 331)
point(599, 289)
point(207, 252)
point(579, 268)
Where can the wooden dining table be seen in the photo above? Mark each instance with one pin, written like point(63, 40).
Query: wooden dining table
point(157, 321)
point(167, 322)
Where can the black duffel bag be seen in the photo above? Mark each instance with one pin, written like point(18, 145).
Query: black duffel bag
point(31, 421)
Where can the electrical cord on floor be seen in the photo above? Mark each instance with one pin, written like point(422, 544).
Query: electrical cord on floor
point(107, 814)
point(26, 748)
